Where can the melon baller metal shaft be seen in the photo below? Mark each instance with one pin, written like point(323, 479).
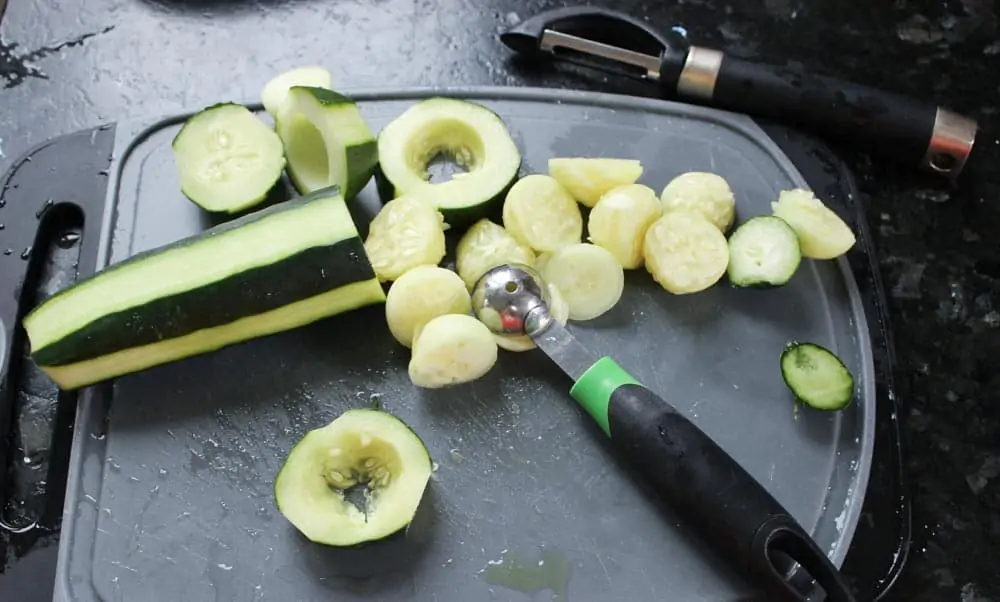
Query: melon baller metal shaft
point(732, 511)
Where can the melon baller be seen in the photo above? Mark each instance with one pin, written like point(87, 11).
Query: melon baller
point(734, 513)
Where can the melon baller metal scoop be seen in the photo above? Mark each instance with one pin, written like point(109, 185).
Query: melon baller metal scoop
point(734, 513)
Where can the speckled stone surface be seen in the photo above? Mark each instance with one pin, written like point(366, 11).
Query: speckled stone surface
point(73, 64)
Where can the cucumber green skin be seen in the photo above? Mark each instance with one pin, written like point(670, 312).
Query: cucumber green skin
point(367, 543)
point(458, 218)
point(248, 293)
point(789, 373)
point(246, 207)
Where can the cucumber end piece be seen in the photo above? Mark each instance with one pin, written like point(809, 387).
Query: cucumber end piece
point(763, 253)
point(274, 94)
point(361, 448)
point(816, 376)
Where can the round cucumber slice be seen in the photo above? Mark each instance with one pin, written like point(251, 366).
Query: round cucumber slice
point(587, 179)
point(361, 448)
point(419, 296)
point(816, 376)
point(620, 219)
point(684, 252)
point(704, 192)
point(450, 350)
point(822, 234)
point(486, 245)
point(763, 253)
point(274, 94)
point(540, 213)
point(405, 233)
point(589, 278)
point(558, 309)
point(327, 141)
point(227, 158)
point(466, 132)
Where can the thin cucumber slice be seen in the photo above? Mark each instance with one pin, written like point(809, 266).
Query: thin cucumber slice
point(274, 94)
point(822, 234)
point(620, 219)
point(540, 213)
point(589, 277)
point(405, 233)
point(558, 309)
point(763, 253)
point(327, 141)
point(227, 158)
point(684, 252)
point(816, 376)
point(486, 245)
point(587, 179)
point(705, 192)
point(419, 296)
point(473, 136)
point(450, 350)
point(359, 447)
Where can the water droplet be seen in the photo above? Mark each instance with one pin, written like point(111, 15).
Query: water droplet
point(103, 172)
point(26, 253)
point(104, 126)
point(3, 203)
point(68, 239)
point(8, 251)
point(27, 159)
point(225, 567)
point(2, 226)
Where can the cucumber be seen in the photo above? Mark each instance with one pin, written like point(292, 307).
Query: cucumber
point(206, 291)
point(420, 295)
point(587, 179)
point(227, 158)
point(558, 309)
point(704, 192)
point(405, 233)
point(451, 349)
point(473, 136)
point(619, 220)
point(327, 141)
point(274, 94)
point(362, 448)
point(541, 214)
point(684, 252)
point(589, 277)
point(763, 253)
point(822, 234)
point(816, 376)
point(486, 245)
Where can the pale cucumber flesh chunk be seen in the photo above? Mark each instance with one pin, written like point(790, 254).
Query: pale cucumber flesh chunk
point(327, 141)
point(558, 309)
point(822, 234)
point(486, 245)
point(684, 252)
point(274, 94)
point(589, 278)
point(703, 192)
point(227, 158)
point(763, 252)
point(419, 296)
point(539, 212)
point(588, 178)
point(472, 135)
point(620, 219)
point(360, 446)
point(451, 349)
point(405, 233)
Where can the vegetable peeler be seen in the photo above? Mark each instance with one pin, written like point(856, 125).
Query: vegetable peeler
point(932, 137)
point(679, 461)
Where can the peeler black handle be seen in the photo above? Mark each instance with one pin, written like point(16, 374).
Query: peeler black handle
point(709, 489)
point(870, 119)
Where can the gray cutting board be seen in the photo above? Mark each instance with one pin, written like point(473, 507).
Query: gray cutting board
point(170, 491)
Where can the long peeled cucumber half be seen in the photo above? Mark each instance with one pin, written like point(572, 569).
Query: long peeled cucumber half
point(327, 141)
point(227, 159)
point(273, 270)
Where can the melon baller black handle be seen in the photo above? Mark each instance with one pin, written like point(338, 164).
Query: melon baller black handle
point(883, 123)
point(713, 493)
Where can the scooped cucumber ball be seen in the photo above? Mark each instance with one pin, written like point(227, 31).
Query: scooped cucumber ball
point(707, 193)
point(420, 295)
point(539, 212)
point(619, 220)
point(451, 349)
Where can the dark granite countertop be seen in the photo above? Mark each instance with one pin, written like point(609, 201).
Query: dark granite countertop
point(73, 64)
